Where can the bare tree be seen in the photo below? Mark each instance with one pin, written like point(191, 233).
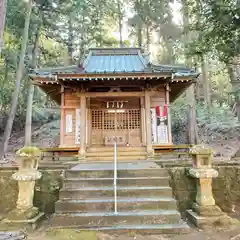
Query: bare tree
point(3, 8)
point(192, 122)
point(19, 74)
point(28, 123)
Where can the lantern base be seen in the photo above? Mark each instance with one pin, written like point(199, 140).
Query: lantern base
point(204, 222)
point(208, 211)
point(28, 224)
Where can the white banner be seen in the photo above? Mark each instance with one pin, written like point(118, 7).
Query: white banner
point(68, 123)
point(78, 126)
point(162, 130)
point(154, 125)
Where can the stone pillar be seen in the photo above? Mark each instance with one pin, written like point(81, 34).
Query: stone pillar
point(25, 212)
point(83, 128)
point(204, 211)
point(150, 152)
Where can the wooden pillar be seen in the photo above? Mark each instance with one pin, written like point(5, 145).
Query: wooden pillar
point(169, 115)
point(148, 124)
point(83, 127)
point(89, 122)
point(143, 124)
point(62, 118)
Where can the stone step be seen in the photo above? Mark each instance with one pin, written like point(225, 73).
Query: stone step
point(91, 192)
point(109, 173)
point(123, 204)
point(119, 158)
point(137, 181)
point(95, 219)
point(157, 229)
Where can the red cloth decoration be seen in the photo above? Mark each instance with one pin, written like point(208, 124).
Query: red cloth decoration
point(158, 111)
point(164, 110)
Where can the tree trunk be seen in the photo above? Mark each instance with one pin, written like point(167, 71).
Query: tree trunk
point(192, 121)
point(3, 8)
point(148, 37)
point(70, 40)
point(206, 83)
point(8, 128)
point(139, 35)
point(120, 18)
point(28, 123)
point(234, 74)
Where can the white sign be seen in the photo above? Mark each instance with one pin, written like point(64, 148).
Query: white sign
point(154, 125)
point(162, 131)
point(68, 123)
point(159, 129)
point(78, 126)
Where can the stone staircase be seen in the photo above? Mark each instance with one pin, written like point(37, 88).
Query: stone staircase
point(145, 202)
point(123, 153)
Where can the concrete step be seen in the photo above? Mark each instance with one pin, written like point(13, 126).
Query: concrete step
point(179, 228)
point(119, 149)
point(119, 158)
point(121, 173)
point(91, 192)
point(95, 219)
point(137, 181)
point(123, 203)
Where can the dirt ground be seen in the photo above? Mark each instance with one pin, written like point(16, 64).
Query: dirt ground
point(62, 234)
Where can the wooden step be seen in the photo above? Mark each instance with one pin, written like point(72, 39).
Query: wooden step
point(111, 154)
point(119, 149)
point(119, 158)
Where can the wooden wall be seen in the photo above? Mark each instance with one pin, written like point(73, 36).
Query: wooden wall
point(71, 103)
point(158, 98)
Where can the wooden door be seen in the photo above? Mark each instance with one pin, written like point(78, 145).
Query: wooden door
point(122, 125)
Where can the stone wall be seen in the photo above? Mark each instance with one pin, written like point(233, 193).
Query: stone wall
point(46, 191)
point(226, 188)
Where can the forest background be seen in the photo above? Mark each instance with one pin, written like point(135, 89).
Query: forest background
point(202, 34)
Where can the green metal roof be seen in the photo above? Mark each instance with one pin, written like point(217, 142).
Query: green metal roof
point(115, 63)
point(116, 60)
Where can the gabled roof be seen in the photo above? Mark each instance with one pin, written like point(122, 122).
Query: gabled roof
point(115, 60)
point(110, 64)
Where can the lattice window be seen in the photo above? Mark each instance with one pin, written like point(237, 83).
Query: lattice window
point(109, 121)
point(97, 119)
point(129, 119)
point(122, 120)
point(134, 119)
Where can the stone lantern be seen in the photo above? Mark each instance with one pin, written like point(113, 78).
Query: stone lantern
point(25, 212)
point(204, 211)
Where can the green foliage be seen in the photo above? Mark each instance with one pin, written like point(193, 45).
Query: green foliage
point(221, 120)
point(218, 25)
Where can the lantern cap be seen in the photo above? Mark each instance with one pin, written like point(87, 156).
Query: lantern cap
point(28, 151)
point(201, 149)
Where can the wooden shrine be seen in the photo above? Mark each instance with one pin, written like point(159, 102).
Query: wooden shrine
point(114, 95)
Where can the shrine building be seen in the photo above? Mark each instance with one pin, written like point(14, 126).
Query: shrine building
point(115, 94)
